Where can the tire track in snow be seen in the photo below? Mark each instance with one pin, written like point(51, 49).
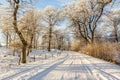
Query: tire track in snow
point(31, 69)
point(100, 73)
point(42, 74)
point(71, 73)
point(87, 70)
point(73, 66)
point(65, 67)
point(56, 74)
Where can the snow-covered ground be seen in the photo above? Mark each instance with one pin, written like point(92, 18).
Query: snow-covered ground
point(66, 66)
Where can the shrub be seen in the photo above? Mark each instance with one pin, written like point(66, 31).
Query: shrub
point(106, 51)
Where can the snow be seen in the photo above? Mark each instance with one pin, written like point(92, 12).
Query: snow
point(67, 65)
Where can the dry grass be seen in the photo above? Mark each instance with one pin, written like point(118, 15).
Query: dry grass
point(77, 45)
point(106, 51)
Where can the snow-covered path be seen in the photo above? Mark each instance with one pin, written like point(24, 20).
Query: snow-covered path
point(71, 66)
point(81, 67)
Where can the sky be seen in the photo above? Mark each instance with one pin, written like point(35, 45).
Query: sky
point(57, 3)
point(43, 3)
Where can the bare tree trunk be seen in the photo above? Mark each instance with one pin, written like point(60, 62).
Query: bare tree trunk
point(7, 39)
point(116, 35)
point(30, 45)
point(92, 41)
point(14, 52)
point(19, 59)
point(18, 32)
point(29, 50)
point(50, 36)
point(24, 53)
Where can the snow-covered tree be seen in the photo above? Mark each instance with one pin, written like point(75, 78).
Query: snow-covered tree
point(15, 5)
point(84, 15)
point(50, 18)
point(30, 26)
point(112, 19)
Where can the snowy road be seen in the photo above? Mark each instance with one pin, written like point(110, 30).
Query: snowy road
point(71, 66)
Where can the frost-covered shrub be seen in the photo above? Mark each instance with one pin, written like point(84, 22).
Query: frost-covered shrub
point(77, 45)
point(117, 56)
point(16, 45)
point(106, 51)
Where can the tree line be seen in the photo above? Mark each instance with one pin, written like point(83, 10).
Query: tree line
point(27, 28)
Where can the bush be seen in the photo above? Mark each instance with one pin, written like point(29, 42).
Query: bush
point(15, 45)
point(106, 51)
point(77, 45)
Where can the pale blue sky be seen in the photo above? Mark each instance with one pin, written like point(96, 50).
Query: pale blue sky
point(57, 3)
point(43, 3)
